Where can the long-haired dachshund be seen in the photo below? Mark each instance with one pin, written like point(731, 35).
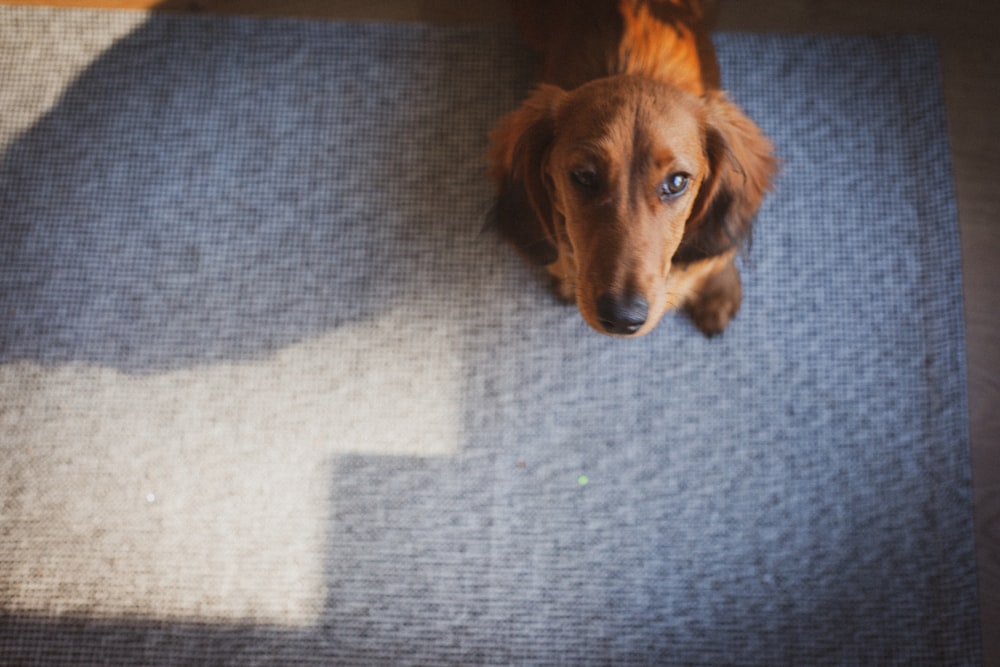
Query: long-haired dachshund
point(628, 174)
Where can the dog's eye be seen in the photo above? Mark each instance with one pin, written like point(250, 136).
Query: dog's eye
point(674, 186)
point(585, 179)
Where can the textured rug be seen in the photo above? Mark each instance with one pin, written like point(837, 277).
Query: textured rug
point(268, 395)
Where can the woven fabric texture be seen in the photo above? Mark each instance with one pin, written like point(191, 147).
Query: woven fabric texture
point(270, 396)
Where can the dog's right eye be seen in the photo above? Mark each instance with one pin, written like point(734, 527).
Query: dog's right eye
point(674, 186)
point(585, 179)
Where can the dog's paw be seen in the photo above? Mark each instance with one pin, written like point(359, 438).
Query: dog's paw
point(712, 315)
point(717, 302)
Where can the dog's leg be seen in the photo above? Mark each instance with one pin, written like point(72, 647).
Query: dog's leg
point(716, 300)
point(563, 272)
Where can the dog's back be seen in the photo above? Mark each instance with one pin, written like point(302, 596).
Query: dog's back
point(588, 39)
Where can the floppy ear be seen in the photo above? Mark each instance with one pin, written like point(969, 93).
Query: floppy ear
point(520, 144)
point(741, 167)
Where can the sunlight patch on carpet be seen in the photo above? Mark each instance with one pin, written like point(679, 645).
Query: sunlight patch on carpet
point(111, 517)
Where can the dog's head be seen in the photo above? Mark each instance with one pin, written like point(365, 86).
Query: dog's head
point(631, 177)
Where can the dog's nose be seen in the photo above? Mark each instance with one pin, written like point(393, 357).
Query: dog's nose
point(622, 313)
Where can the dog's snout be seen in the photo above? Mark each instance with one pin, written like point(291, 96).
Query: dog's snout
point(622, 313)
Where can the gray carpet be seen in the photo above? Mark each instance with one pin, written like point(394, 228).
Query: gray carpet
point(268, 395)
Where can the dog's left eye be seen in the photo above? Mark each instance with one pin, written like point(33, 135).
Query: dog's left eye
point(585, 179)
point(674, 186)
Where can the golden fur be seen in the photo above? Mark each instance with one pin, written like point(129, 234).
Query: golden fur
point(628, 173)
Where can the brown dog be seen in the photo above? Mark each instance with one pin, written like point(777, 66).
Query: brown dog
point(628, 173)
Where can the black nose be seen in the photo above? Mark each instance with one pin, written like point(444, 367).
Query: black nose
point(622, 313)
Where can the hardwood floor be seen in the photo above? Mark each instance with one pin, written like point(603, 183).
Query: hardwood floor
point(969, 34)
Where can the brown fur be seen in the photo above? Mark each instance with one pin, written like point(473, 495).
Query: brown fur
point(630, 103)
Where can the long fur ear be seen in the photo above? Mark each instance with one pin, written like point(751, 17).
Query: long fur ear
point(519, 147)
point(741, 168)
